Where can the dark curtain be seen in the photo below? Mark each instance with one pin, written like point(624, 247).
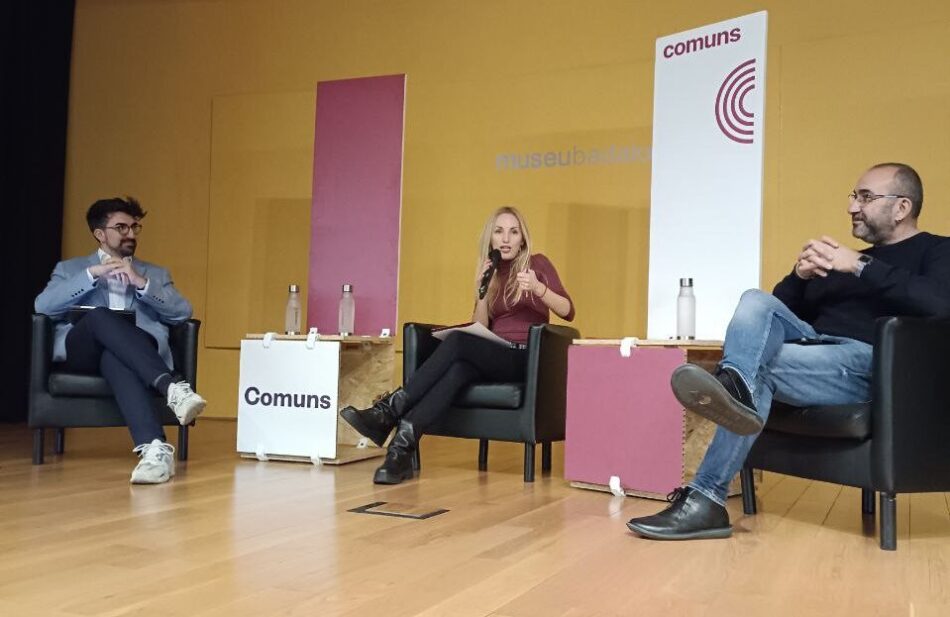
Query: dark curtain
point(36, 38)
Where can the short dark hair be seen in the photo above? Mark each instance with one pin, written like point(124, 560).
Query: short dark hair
point(907, 182)
point(98, 214)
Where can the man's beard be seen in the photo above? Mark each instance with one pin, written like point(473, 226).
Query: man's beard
point(126, 248)
point(870, 232)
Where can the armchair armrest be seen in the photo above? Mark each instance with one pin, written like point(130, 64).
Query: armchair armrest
point(183, 341)
point(910, 406)
point(417, 345)
point(41, 353)
point(546, 377)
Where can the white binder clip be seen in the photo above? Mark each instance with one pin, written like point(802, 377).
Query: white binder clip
point(259, 453)
point(312, 338)
point(626, 344)
point(615, 488)
point(268, 338)
point(384, 333)
point(316, 460)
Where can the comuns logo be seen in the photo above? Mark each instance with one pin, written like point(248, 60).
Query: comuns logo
point(732, 113)
point(254, 396)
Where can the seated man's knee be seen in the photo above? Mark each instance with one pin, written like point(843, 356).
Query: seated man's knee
point(754, 295)
point(100, 314)
point(756, 299)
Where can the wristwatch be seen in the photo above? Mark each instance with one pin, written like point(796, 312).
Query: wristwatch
point(863, 261)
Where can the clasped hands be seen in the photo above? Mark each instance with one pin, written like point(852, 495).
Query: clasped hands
point(121, 269)
point(819, 257)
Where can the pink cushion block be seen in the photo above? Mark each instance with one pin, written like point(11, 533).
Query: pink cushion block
point(622, 418)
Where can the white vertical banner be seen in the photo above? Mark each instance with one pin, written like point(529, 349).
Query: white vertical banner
point(706, 193)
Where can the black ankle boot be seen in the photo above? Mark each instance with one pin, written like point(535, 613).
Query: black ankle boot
point(722, 398)
point(690, 516)
point(378, 421)
point(398, 464)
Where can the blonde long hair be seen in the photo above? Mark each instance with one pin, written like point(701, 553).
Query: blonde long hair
point(519, 263)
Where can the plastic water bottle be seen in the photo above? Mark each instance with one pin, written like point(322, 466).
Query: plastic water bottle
point(686, 311)
point(347, 310)
point(292, 315)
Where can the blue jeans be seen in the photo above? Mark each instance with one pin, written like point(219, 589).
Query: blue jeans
point(760, 346)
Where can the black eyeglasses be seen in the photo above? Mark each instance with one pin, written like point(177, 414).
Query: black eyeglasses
point(123, 230)
point(866, 197)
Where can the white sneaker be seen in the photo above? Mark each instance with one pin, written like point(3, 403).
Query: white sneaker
point(157, 464)
point(185, 402)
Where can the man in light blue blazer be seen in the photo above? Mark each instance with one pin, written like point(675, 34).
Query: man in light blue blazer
point(134, 359)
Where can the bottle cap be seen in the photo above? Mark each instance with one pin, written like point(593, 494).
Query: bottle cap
point(347, 288)
point(686, 282)
point(293, 288)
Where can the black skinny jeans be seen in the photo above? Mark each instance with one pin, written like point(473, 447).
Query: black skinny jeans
point(460, 360)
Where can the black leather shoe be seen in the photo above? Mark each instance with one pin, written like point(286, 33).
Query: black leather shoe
point(377, 422)
point(722, 398)
point(398, 464)
point(690, 516)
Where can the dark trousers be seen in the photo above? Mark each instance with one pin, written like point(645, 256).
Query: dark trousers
point(458, 361)
point(127, 357)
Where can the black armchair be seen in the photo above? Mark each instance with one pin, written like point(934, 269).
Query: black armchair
point(897, 443)
point(62, 400)
point(531, 412)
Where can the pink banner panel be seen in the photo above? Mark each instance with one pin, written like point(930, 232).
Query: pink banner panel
point(357, 196)
point(622, 418)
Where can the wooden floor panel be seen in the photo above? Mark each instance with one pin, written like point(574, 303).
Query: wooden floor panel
point(231, 536)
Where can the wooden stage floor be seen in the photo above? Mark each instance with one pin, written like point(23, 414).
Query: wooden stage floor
point(231, 537)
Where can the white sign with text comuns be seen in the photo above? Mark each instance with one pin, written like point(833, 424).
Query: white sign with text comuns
point(287, 398)
point(706, 189)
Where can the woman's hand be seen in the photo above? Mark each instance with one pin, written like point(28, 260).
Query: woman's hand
point(528, 283)
point(485, 266)
point(480, 312)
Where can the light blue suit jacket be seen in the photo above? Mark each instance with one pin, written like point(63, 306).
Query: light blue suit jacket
point(69, 285)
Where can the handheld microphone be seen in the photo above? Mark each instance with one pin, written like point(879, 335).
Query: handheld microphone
point(495, 256)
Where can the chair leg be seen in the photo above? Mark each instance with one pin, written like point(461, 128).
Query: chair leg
point(867, 501)
point(483, 455)
point(38, 434)
point(545, 457)
point(888, 521)
point(60, 440)
point(529, 462)
point(748, 490)
point(182, 443)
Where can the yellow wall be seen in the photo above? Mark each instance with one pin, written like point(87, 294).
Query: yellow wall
point(204, 111)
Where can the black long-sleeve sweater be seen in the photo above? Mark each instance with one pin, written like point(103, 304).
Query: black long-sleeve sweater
point(911, 277)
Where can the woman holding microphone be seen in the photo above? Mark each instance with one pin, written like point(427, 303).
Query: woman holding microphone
point(522, 291)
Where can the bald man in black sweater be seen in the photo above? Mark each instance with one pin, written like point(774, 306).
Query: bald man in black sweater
point(810, 341)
